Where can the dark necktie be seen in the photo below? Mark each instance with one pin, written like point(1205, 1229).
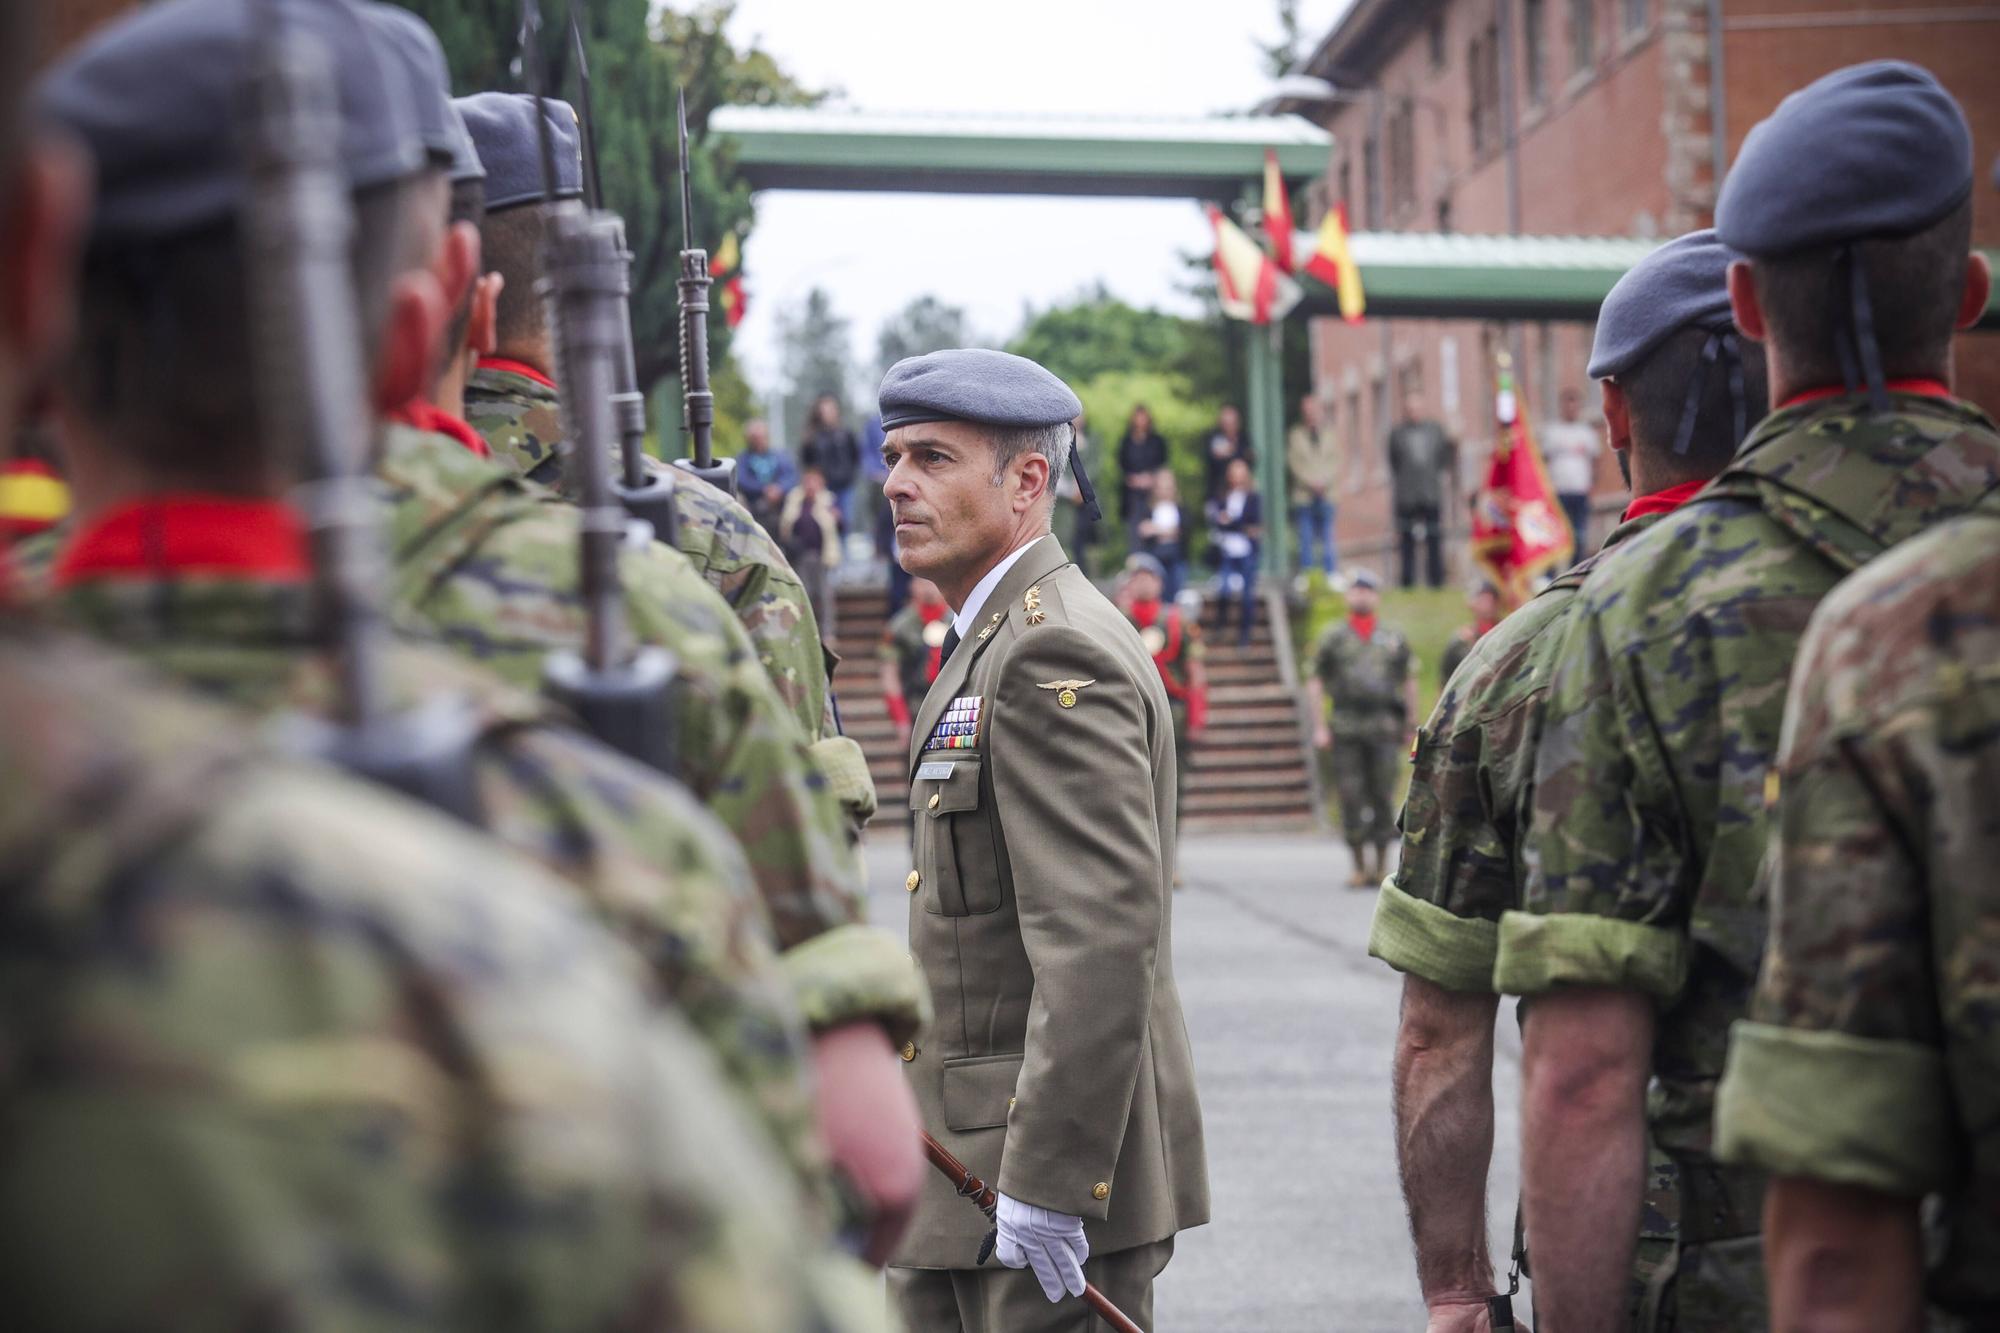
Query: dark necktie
point(950, 642)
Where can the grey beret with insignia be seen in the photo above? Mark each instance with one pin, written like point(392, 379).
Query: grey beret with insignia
point(1683, 284)
point(504, 131)
point(157, 98)
point(975, 384)
point(418, 60)
point(1879, 149)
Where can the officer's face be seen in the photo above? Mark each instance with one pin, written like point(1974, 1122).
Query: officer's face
point(951, 517)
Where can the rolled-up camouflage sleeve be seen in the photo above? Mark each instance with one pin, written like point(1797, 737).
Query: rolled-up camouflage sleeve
point(1839, 1073)
point(1602, 904)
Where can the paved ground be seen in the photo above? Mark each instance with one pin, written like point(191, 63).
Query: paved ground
point(1293, 1025)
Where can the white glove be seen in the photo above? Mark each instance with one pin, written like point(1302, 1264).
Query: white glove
point(1050, 1243)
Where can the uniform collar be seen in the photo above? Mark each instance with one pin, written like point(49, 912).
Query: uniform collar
point(178, 535)
point(1922, 387)
point(428, 416)
point(1664, 501)
point(967, 618)
point(504, 365)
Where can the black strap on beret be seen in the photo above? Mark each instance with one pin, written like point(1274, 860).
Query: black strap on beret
point(1720, 347)
point(1084, 489)
point(1854, 331)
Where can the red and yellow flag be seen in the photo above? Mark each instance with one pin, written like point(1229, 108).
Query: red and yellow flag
point(1278, 223)
point(735, 302)
point(1519, 532)
point(1248, 281)
point(1333, 264)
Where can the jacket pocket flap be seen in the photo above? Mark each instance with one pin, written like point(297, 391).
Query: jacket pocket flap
point(978, 1090)
point(955, 793)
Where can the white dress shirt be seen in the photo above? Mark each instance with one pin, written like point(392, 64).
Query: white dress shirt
point(967, 619)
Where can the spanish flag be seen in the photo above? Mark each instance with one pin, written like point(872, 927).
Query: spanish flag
point(33, 498)
point(1278, 214)
point(1333, 264)
point(1519, 532)
point(735, 302)
point(1248, 281)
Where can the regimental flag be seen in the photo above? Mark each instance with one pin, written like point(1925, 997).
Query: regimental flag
point(1332, 263)
point(1246, 278)
point(1519, 532)
point(1278, 214)
point(734, 300)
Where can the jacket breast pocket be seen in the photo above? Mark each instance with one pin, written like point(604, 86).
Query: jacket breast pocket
point(979, 1091)
point(955, 838)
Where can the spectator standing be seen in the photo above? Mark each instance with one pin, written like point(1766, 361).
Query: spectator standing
point(1074, 527)
point(1161, 533)
point(809, 528)
point(1142, 457)
point(1312, 456)
point(1226, 444)
point(831, 447)
point(1571, 445)
point(1423, 461)
point(764, 475)
point(1236, 525)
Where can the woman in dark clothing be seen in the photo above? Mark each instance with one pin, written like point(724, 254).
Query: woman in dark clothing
point(1141, 454)
point(1236, 525)
point(831, 447)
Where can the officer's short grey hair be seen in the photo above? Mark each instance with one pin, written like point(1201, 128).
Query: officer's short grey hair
point(1051, 442)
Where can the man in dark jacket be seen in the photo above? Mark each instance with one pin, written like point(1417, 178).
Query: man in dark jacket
point(831, 447)
point(1421, 457)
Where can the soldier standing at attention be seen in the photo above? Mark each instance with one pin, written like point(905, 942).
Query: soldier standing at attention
point(1178, 652)
point(1467, 810)
point(1640, 931)
point(1040, 906)
point(1484, 603)
point(1366, 669)
point(1867, 1076)
point(912, 652)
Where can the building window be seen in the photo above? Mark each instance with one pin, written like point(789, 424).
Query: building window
point(1533, 34)
point(1444, 216)
point(1583, 33)
point(1402, 158)
point(1437, 44)
point(1482, 72)
point(1635, 16)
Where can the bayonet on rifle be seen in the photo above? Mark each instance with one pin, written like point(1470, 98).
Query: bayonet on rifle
point(698, 414)
point(298, 224)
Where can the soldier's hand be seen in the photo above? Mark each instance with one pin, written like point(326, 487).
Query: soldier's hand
point(874, 1134)
point(1323, 737)
point(1051, 1243)
point(1465, 1317)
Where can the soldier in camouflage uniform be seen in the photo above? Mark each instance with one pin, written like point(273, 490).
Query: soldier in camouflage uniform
point(286, 1049)
point(1178, 653)
point(1868, 1073)
point(1484, 603)
point(1369, 673)
point(1461, 867)
point(911, 653)
point(512, 401)
point(1640, 931)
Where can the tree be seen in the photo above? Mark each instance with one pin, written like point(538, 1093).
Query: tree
point(817, 350)
point(638, 59)
point(1096, 334)
point(1282, 56)
point(924, 325)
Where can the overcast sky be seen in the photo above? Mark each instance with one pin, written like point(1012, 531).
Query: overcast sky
point(992, 255)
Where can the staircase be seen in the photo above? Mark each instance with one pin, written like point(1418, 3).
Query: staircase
point(1249, 768)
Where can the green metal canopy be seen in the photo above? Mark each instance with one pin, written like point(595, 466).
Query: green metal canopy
point(819, 148)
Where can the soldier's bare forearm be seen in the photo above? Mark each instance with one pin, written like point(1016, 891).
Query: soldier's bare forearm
point(1584, 1061)
point(1444, 1132)
point(1841, 1258)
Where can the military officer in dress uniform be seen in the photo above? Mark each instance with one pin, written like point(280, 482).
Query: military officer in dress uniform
point(1042, 767)
point(1174, 640)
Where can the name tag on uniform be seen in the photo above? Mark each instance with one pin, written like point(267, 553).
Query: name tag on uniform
point(928, 772)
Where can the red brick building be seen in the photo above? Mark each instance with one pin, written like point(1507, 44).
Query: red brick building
point(1574, 117)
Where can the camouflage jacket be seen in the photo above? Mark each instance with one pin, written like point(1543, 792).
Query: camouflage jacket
point(1648, 816)
point(911, 646)
point(521, 420)
point(1871, 1056)
point(284, 1050)
point(488, 563)
point(1473, 776)
point(1365, 678)
point(646, 857)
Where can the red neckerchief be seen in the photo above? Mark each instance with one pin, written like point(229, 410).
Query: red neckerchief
point(1146, 613)
point(930, 615)
point(1662, 502)
point(1364, 626)
point(1926, 388)
point(1482, 628)
point(508, 366)
point(432, 418)
point(189, 534)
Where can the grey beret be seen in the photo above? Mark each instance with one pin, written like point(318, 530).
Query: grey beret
point(503, 130)
point(974, 384)
point(465, 163)
point(157, 97)
point(1683, 284)
point(1364, 578)
point(1141, 563)
point(416, 58)
point(1879, 149)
